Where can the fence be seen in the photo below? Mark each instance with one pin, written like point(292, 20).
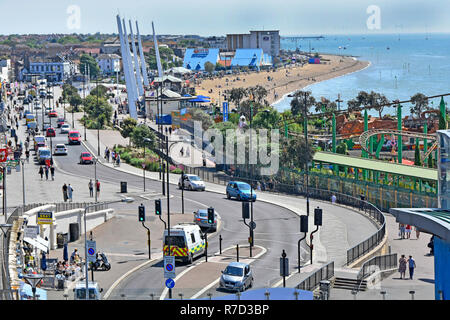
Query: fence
point(379, 263)
point(324, 273)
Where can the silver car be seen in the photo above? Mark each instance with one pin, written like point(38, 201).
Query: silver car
point(237, 276)
point(192, 182)
point(65, 128)
point(201, 219)
point(60, 149)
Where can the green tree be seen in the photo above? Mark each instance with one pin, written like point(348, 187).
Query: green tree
point(266, 119)
point(302, 100)
point(342, 148)
point(75, 101)
point(325, 105)
point(140, 133)
point(95, 109)
point(293, 153)
point(420, 104)
point(87, 61)
point(129, 124)
point(102, 90)
point(209, 67)
point(220, 66)
point(236, 95)
point(205, 119)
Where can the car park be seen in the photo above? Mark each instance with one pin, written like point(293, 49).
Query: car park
point(60, 149)
point(50, 132)
point(240, 191)
point(43, 154)
point(74, 137)
point(86, 157)
point(192, 182)
point(65, 128)
point(237, 276)
point(201, 219)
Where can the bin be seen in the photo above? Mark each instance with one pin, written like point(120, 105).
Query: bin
point(74, 232)
point(123, 187)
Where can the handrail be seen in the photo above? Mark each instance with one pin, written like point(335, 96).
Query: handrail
point(390, 261)
point(309, 285)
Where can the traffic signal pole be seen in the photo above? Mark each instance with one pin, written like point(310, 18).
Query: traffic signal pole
point(148, 242)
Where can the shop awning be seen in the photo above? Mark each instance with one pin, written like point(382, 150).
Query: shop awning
point(39, 243)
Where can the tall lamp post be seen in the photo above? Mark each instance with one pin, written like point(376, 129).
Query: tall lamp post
point(307, 153)
point(98, 123)
point(127, 200)
point(143, 163)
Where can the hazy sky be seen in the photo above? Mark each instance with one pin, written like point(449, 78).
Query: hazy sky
point(218, 17)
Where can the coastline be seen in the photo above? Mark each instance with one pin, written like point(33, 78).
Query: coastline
point(284, 81)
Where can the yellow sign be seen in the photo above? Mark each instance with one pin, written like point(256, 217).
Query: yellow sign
point(45, 217)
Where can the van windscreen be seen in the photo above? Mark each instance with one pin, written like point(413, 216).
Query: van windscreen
point(175, 241)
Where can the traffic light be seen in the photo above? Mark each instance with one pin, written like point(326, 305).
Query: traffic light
point(158, 207)
point(210, 215)
point(304, 224)
point(141, 213)
point(317, 216)
point(245, 210)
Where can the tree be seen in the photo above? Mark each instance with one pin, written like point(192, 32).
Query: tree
point(95, 109)
point(417, 161)
point(75, 101)
point(209, 67)
point(361, 99)
point(219, 66)
point(205, 119)
point(87, 61)
point(325, 105)
point(442, 115)
point(377, 101)
point(102, 90)
point(236, 95)
point(420, 104)
point(258, 93)
point(267, 119)
point(129, 124)
point(140, 133)
point(302, 100)
point(341, 148)
point(293, 154)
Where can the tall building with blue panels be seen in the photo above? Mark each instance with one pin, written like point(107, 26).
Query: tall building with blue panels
point(195, 59)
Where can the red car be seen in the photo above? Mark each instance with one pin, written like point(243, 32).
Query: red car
point(50, 132)
point(53, 114)
point(86, 157)
point(74, 137)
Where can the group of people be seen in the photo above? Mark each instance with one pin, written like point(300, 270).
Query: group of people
point(402, 267)
point(46, 170)
point(405, 231)
point(67, 192)
point(115, 156)
point(70, 269)
point(91, 188)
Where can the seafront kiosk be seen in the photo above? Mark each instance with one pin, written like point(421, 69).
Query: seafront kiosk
point(436, 221)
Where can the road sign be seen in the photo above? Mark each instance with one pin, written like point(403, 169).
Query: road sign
point(170, 283)
point(91, 250)
point(3, 155)
point(169, 267)
point(45, 217)
point(253, 225)
point(31, 232)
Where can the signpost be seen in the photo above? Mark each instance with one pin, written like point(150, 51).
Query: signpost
point(169, 267)
point(31, 232)
point(45, 217)
point(91, 246)
point(170, 283)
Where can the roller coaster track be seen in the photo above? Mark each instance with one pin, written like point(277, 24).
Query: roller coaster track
point(365, 136)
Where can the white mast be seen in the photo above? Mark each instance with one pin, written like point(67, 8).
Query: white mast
point(143, 64)
point(137, 69)
point(158, 59)
point(130, 69)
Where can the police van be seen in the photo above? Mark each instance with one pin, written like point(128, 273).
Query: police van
point(186, 242)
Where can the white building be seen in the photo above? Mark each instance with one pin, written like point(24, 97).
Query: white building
point(5, 70)
point(109, 63)
point(52, 70)
point(269, 41)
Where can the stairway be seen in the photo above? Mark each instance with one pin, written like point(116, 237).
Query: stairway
point(349, 284)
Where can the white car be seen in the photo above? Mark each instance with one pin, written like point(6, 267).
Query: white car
point(192, 182)
point(60, 149)
point(65, 128)
point(47, 110)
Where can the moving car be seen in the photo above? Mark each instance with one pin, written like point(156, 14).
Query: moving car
point(192, 182)
point(65, 128)
point(30, 118)
point(43, 154)
point(60, 149)
point(50, 132)
point(39, 142)
point(86, 157)
point(32, 125)
point(60, 122)
point(240, 191)
point(48, 110)
point(186, 242)
point(53, 114)
point(80, 291)
point(201, 219)
point(237, 276)
point(74, 137)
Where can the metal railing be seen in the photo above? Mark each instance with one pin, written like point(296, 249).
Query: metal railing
point(324, 273)
point(378, 263)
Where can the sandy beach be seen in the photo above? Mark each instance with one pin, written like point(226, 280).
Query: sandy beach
point(285, 80)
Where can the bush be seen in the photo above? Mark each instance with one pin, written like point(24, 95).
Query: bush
point(125, 156)
point(136, 162)
point(177, 171)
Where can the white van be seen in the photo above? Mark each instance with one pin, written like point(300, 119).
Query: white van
point(80, 291)
point(186, 242)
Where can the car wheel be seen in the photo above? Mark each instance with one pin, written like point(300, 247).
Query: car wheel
point(179, 186)
point(228, 196)
point(190, 188)
point(238, 197)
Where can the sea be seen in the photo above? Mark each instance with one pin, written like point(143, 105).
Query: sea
point(401, 65)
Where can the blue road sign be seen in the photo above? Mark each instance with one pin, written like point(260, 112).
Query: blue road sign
point(170, 283)
point(169, 267)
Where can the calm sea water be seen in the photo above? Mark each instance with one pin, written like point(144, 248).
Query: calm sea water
point(412, 64)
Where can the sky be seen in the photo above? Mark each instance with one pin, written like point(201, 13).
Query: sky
point(218, 17)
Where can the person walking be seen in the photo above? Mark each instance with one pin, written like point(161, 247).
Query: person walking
point(46, 172)
point(402, 266)
point(182, 151)
point(408, 231)
point(118, 160)
point(97, 186)
point(64, 188)
point(52, 171)
point(333, 199)
point(412, 266)
point(91, 188)
point(401, 231)
point(417, 233)
point(41, 172)
point(70, 192)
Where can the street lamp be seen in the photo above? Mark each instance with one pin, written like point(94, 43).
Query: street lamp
point(126, 200)
point(143, 163)
point(34, 280)
point(5, 227)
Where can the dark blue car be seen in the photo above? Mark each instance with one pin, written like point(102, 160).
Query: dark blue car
point(240, 190)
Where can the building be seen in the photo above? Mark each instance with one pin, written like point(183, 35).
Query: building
point(195, 59)
point(169, 83)
point(171, 101)
point(51, 69)
point(268, 41)
point(108, 63)
point(5, 70)
point(251, 58)
point(217, 42)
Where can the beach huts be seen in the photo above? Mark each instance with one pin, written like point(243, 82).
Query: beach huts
point(195, 59)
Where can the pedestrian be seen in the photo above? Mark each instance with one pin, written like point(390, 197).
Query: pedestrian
point(91, 188)
point(118, 159)
point(431, 245)
point(106, 153)
point(41, 172)
point(167, 130)
point(70, 192)
point(412, 265)
point(361, 203)
point(27, 153)
point(64, 188)
point(113, 156)
point(97, 185)
point(333, 199)
point(182, 151)
point(417, 233)
point(52, 171)
point(402, 266)
point(408, 231)
point(170, 130)
point(188, 152)
point(402, 231)
point(46, 172)
point(73, 255)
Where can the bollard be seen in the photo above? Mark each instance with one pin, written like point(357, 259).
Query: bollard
point(237, 252)
point(267, 294)
point(296, 294)
point(238, 295)
point(181, 296)
point(220, 244)
point(209, 294)
point(412, 292)
point(383, 293)
point(123, 296)
point(65, 295)
point(152, 295)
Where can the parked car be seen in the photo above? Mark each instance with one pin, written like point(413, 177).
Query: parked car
point(60, 149)
point(65, 128)
point(74, 137)
point(86, 157)
point(50, 132)
point(192, 182)
point(201, 219)
point(237, 276)
point(240, 191)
